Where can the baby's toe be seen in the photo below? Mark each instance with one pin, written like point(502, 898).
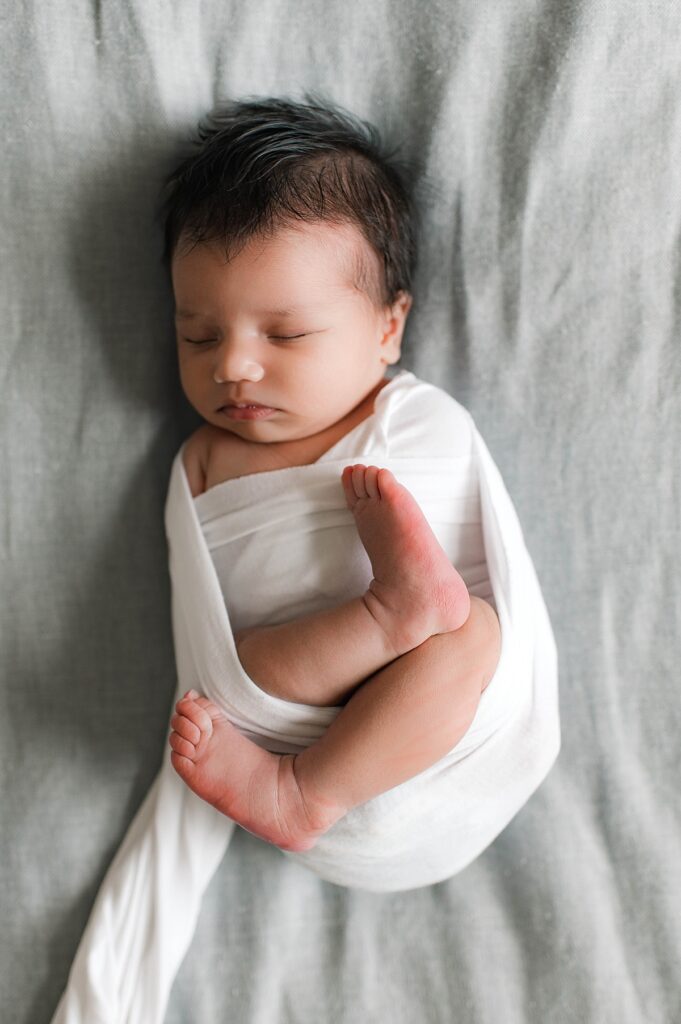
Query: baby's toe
point(371, 481)
point(208, 705)
point(182, 746)
point(185, 727)
point(346, 480)
point(359, 481)
point(387, 484)
point(195, 711)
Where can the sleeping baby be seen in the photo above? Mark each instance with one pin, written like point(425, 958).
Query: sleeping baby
point(290, 241)
point(365, 664)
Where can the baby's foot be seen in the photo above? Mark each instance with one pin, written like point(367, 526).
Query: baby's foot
point(416, 592)
point(257, 789)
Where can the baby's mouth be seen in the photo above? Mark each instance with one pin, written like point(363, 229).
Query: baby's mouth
point(245, 405)
point(246, 410)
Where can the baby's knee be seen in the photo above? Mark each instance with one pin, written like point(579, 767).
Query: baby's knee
point(477, 644)
point(487, 638)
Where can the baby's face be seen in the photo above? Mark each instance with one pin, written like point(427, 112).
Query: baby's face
point(280, 325)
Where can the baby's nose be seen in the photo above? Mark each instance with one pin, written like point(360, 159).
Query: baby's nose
point(236, 363)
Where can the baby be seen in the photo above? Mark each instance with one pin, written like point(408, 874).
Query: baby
point(289, 239)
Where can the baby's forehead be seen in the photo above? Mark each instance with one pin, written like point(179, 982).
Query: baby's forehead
point(332, 252)
point(356, 259)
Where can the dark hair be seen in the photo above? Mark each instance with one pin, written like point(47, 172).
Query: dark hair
point(260, 164)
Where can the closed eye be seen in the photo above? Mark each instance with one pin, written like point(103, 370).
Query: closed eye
point(275, 337)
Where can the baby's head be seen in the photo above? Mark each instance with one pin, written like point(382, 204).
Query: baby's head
point(289, 237)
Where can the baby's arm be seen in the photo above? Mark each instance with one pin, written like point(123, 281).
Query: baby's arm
point(415, 593)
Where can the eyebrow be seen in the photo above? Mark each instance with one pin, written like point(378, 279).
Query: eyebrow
point(185, 314)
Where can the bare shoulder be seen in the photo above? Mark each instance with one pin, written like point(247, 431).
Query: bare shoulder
point(195, 459)
point(214, 455)
point(211, 455)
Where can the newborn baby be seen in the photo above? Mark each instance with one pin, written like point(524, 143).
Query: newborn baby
point(289, 238)
point(355, 734)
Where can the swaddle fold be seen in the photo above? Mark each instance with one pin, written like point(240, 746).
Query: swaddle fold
point(270, 547)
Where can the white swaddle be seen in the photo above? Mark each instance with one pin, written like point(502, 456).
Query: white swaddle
point(283, 543)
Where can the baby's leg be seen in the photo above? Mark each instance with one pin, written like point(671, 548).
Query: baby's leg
point(416, 593)
point(406, 717)
point(401, 721)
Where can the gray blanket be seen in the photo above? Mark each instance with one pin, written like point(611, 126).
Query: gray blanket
point(547, 302)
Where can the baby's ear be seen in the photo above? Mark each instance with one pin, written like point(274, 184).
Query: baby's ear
point(393, 326)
